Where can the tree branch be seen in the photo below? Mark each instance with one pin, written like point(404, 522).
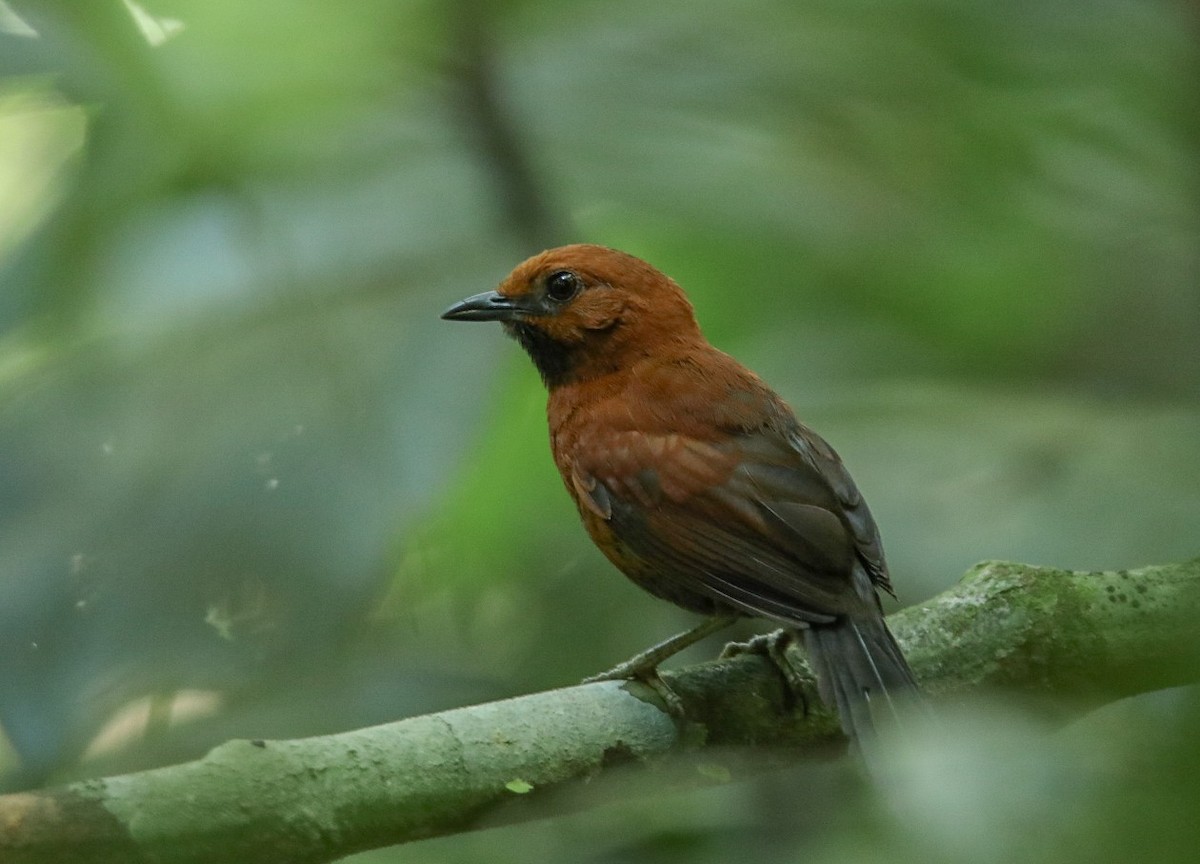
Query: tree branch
point(1073, 640)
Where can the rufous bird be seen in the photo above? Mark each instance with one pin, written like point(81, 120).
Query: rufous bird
point(693, 477)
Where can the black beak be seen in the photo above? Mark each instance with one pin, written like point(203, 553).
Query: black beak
point(488, 306)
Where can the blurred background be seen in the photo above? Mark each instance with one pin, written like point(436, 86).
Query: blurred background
point(251, 486)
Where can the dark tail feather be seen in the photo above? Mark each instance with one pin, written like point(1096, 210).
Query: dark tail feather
point(861, 672)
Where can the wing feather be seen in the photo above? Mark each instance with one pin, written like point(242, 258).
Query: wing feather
point(766, 522)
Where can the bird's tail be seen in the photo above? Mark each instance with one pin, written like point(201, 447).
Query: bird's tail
point(860, 671)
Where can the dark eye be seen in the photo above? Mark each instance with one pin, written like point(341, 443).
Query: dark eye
point(562, 285)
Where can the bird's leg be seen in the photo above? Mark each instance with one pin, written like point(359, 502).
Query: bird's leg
point(644, 666)
point(646, 663)
point(774, 647)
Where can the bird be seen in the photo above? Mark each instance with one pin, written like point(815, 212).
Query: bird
point(695, 479)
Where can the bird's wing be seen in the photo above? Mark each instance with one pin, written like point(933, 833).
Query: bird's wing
point(758, 521)
point(851, 507)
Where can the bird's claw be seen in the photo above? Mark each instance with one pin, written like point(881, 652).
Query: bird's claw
point(623, 672)
point(644, 674)
point(773, 646)
point(644, 666)
point(671, 700)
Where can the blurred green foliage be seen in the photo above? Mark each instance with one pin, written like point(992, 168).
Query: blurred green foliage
point(244, 467)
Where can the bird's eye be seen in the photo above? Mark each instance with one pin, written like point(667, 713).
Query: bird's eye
point(562, 285)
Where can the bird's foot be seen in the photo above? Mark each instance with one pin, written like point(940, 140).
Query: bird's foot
point(644, 666)
point(774, 647)
point(638, 669)
point(626, 671)
point(646, 663)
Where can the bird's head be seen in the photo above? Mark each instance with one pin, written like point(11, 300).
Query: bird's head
point(583, 311)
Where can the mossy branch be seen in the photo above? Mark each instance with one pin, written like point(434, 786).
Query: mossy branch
point(1071, 640)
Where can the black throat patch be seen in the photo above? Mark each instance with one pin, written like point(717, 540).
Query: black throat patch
point(555, 361)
